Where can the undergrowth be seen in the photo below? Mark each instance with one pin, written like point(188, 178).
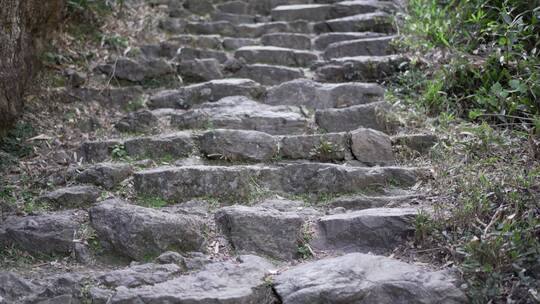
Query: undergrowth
point(475, 68)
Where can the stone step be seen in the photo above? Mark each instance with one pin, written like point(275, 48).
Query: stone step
point(242, 184)
point(315, 95)
point(378, 230)
point(309, 12)
point(233, 18)
point(189, 53)
point(50, 233)
point(360, 68)
point(234, 281)
point(228, 29)
point(210, 91)
point(369, 148)
point(195, 71)
point(322, 41)
point(136, 70)
point(169, 48)
point(139, 232)
point(269, 75)
point(375, 22)
point(231, 43)
point(287, 40)
point(262, 231)
point(365, 278)
point(361, 202)
point(380, 46)
point(276, 56)
point(239, 112)
point(372, 115)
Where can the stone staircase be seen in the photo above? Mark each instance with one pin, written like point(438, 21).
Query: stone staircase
point(269, 177)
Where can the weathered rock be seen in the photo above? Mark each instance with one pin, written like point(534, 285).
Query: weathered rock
point(139, 275)
point(275, 55)
point(375, 230)
point(321, 42)
point(233, 18)
point(372, 147)
point(287, 40)
point(379, 46)
point(201, 7)
point(361, 202)
point(242, 113)
point(421, 143)
point(137, 71)
point(237, 145)
point(200, 70)
point(44, 234)
point(206, 92)
point(234, 7)
point(71, 197)
point(137, 122)
point(261, 231)
point(363, 278)
point(269, 74)
point(236, 43)
point(139, 232)
point(217, 283)
point(188, 262)
point(360, 68)
point(25, 26)
point(305, 92)
point(14, 288)
point(371, 115)
point(223, 28)
point(310, 12)
point(97, 151)
point(176, 145)
point(325, 147)
point(197, 41)
point(376, 22)
point(190, 54)
point(106, 175)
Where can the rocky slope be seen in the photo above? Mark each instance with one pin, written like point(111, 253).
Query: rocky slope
point(269, 177)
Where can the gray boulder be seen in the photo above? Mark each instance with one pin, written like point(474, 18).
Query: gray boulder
point(275, 55)
point(106, 175)
point(363, 278)
point(200, 70)
point(100, 150)
point(14, 288)
point(237, 145)
point(373, 116)
point(325, 147)
point(379, 46)
point(269, 74)
point(71, 197)
point(287, 40)
point(140, 233)
point(261, 230)
point(372, 147)
point(376, 230)
point(175, 145)
point(137, 71)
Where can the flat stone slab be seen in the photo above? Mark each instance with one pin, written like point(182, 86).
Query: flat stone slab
point(266, 74)
point(237, 145)
point(106, 175)
point(376, 230)
point(287, 40)
point(260, 230)
point(136, 70)
point(316, 95)
point(238, 183)
point(373, 22)
point(322, 41)
point(176, 145)
point(310, 12)
point(275, 55)
point(51, 233)
point(210, 91)
point(72, 197)
point(360, 68)
point(140, 233)
point(363, 278)
point(372, 115)
point(319, 147)
point(379, 46)
point(200, 70)
point(372, 147)
point(139, 275)
point(218, 283)
point(242, 113)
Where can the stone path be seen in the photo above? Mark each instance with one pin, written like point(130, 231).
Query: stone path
point(269, 177)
